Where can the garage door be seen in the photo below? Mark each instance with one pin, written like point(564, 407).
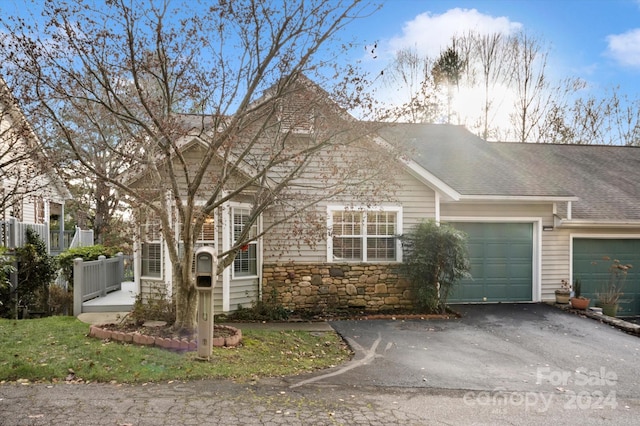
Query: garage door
point(586, 251)
point(501, 257)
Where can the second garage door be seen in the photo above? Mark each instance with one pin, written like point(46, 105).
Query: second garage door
point(589, 266)
point(501, 257)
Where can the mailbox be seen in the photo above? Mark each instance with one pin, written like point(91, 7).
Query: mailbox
point(206, 265)
point(206, 275)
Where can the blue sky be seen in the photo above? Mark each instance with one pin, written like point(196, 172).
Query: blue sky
point(597, 40)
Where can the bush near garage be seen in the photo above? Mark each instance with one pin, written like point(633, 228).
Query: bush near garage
point(435, 259)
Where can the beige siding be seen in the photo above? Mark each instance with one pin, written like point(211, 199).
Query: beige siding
point(497, 210)
point(416, 199)
point(243, 292)
point(555, 261)
point(556, 254)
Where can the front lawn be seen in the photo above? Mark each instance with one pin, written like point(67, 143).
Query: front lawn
point(57, 349)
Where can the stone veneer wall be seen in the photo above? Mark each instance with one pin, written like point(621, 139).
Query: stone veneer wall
point(371, 287)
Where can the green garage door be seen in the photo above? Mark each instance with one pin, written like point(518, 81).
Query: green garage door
point(501, 257)
point(589, 266)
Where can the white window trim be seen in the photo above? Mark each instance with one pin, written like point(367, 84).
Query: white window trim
point(162, 260)
point(233, 206)
point(364, 209)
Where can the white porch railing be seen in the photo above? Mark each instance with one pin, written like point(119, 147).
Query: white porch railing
point(96, 278)
point(82, 238)
point(13, 234)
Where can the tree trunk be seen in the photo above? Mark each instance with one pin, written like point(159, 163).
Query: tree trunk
point(186, 298)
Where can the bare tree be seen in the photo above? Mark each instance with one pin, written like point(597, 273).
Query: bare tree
point(214, 106)
point(610, 119)
point(101, 141)
point(411, 72)
point(531, 86)
point(490, 53)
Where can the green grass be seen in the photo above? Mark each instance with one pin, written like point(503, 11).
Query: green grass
point(46, 349)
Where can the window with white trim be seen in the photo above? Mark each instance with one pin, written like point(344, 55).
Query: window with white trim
point(246, 261)
point(151, 248)
point(359, 235)
point(206, 237)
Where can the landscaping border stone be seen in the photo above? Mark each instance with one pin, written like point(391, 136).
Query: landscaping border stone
point(102, 332)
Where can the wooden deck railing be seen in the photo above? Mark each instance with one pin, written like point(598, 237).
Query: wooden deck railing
point(96, 278)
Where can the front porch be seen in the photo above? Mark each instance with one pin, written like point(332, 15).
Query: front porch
point(116, 301)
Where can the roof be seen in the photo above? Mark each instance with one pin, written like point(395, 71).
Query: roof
point(603, 178)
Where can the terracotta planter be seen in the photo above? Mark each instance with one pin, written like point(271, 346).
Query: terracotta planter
point(580, 302)
point(562, 297)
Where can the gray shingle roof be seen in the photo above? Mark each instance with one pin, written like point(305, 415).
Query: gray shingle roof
point(604, 178)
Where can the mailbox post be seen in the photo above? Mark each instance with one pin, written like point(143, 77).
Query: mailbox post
point(206, 265)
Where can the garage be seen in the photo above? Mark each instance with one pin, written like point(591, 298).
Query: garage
point(501, 256)
point(589, 266)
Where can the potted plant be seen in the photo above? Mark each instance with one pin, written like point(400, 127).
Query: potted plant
point(563, 293)
point(609, 295)
point(578, 301)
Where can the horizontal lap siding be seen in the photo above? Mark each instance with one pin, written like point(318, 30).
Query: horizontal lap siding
point(498, 210)
point(416, 199)
point(555, 261)
point(243, 292)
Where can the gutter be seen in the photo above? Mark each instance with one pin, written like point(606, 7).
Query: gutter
point(584, 223)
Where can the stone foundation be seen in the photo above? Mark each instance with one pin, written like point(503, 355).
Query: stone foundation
point(322, 286)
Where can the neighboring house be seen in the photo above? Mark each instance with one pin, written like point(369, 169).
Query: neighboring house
point(535, 214)
point(31, 194)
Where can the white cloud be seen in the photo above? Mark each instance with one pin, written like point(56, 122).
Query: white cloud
point(625, 48)
point(430, 33)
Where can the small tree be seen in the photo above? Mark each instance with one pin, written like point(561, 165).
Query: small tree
point(435, 259)
point(36, 270)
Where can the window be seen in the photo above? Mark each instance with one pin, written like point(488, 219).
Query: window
point(364, 235)
point(151, 248)
point(206, 237)
point(246, 261)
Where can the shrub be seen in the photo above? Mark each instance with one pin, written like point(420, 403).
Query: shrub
point(60, 300)
point(435, 259)
point(157, 307)
point(65, 259)
point(6, 291)
point(36, 271)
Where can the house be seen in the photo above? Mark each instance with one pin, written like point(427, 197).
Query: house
point(535, 214)
point(31, 194)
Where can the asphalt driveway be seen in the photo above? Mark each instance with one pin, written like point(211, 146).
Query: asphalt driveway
point(504, 347)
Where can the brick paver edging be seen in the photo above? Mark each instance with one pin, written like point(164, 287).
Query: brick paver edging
point(136, 338)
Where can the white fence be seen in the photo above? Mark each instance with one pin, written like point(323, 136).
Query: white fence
point(13, 234)
point(82, 238)
point(96, 278)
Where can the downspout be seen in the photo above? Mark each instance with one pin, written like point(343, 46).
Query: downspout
point(61, 244)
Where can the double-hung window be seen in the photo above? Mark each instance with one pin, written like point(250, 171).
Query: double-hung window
point(364, 235)
point(246, 261)
point(151, 248)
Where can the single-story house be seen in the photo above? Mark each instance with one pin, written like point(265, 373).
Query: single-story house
point(535, 214)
